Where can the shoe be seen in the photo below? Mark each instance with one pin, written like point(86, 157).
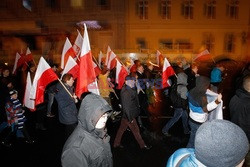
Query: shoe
point(50, 115)
point(146, 147)
point(29, 141)
point(119, 146)
point(6, 144)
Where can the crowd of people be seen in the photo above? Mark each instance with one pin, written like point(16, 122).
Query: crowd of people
point(84, 119)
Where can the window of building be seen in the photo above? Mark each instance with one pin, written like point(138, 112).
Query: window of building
point(104, 4)
point(187, 9)
point(233, 9)
point(210, 9)
point(229, 43)
point(183, 44)
point(208, 41)
point(143, 9)
point(166, 9)
point(166, 44)
point(141, 43)
point(76, 3)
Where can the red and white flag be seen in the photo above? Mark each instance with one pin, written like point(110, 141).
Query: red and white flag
point(43, 76)
point(96, 68)
point(67, 51)
point(166, 73)
point(86, 70)
point(203, 56)
point(100, 58)
point(28, 56)
point(71, 67)
point(112, 61)
point(29, 103)
point(18, 63)
point(108, 55)
point(159, 58)
point(121, 73)
point(78, 44)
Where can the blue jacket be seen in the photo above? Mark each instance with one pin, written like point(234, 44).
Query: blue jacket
point(216, 75)
point(184, 157)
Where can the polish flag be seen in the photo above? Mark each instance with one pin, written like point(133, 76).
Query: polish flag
point(166, 73)
point(27, 101)
point(108, 55)
point(18, 63)
point(67, 51)
point(78, 44)
point(159, 58)
point(97, 69)
point(112, 61)
point(43, 76)
point(100, 58)
point(121, 73)
point(86, 70)
point(28, 56)
point(203, 56)
point(71, 67)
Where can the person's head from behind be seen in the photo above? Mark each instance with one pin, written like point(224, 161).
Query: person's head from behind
point(246, 83)
point(68, 79)
point(221, 143)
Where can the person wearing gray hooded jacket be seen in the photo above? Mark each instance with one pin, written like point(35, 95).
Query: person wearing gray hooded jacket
point(89, 145)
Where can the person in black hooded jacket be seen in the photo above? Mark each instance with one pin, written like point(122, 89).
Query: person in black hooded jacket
point(239, 106)
point(88, 145)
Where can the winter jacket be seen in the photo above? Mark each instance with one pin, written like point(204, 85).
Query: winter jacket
point(88, 146)
point(184, 157)
point(130, 103)
point(239, 107)
point(67, 110)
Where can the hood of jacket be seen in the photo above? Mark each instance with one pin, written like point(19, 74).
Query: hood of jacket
point(182, 78)
point(243, 94)
point(92, 108)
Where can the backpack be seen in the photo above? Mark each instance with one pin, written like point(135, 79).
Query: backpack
point(175, 97)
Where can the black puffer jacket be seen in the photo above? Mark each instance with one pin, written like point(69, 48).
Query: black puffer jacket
point(239, 107)
point(88, 146)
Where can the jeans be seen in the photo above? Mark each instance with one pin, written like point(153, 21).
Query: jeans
point(178, 113)
point(194, 126)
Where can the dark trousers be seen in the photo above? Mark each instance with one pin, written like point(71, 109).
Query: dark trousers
point(134, 129)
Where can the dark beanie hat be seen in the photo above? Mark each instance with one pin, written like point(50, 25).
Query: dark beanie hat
point(220, 143)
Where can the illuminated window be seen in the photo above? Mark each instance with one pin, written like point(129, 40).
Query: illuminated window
point(187, 9)
point(166, 44)
point(210, 9)
point(143, 9)
point(208, 41)
point(183, 44)
point(229, 43)
point(76, 3)
point(105, 4)
point(141, 43)
point(166, 9)
point(233, 9)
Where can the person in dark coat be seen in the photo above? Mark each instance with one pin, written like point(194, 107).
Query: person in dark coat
point(89, 144)
point(66, 100)
point(239, 106)
point(131, 110)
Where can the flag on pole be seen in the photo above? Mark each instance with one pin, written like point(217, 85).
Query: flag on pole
point(67, 51)
point(203, 56)
point(121, 73)
point(112, 61)
point(29, 103)
point(107, 55)
point(166, 73)
point(18, 63)
point(86, 70)
point(43, 76)
point(216, 113)
point(100, 58)
point(97, 69)
point(71, 67)
point(78, 44)
point(159, 58)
